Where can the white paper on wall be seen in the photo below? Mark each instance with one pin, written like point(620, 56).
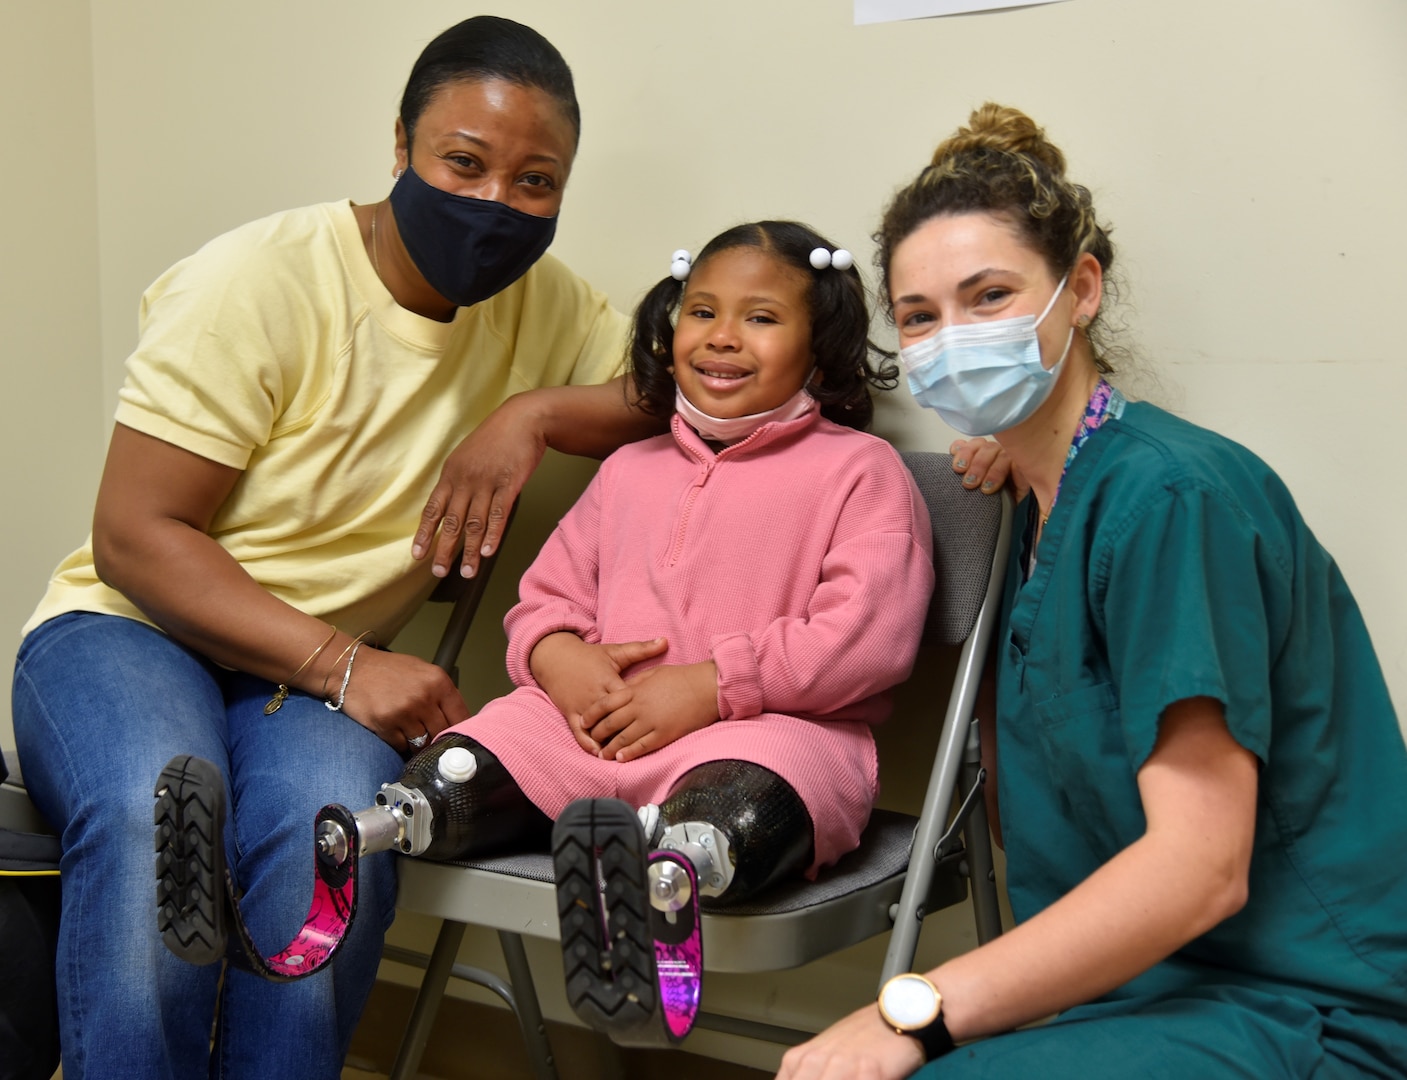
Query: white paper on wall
point(877, 11)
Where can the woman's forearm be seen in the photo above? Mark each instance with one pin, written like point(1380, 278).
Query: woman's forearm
point(150, 543)
point(1133, 912)
point(1187, 873)
point(591, 421)
point(1139, 907)
point(155, 503)
point(192, 588)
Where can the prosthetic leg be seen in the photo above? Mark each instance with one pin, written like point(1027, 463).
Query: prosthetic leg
point(433, 810)
point(632, 949)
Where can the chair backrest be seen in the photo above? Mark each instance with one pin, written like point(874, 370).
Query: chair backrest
point(971, 541)
point(465, 594)
point(966, 528)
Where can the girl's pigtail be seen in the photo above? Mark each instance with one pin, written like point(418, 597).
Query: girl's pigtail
point(651, 354)
point(848, 362)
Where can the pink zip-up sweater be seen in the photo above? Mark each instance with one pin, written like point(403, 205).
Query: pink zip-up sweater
point(798, 560)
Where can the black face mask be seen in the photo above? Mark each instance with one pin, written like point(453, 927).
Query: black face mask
point(467, 249)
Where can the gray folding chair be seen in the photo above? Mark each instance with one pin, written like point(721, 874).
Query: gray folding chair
point(29, 921)
point(904, 869)
point(34, 841)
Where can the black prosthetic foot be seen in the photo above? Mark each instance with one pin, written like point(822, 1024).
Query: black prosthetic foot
point(197, 903)
point(190, 859)
point(633, 970)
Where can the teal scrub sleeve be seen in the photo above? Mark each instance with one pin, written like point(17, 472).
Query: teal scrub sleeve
point(1189, 590)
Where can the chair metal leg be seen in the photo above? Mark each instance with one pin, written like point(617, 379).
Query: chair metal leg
point(465, 973)
point(982, 874)
point(528, 1010)
point(427, 1001)
point(977, 841)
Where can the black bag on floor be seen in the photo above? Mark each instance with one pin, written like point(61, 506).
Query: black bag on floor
point(29, 934)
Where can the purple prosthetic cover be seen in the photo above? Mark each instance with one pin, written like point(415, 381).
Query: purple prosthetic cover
point(679, 956)
point(330, 915)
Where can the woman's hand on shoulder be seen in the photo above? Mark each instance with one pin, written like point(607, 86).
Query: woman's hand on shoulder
point(399, 697)
point(479, 483)
point(985, 466)
point(483, 475)
point(653, 709)
point(860, 1046)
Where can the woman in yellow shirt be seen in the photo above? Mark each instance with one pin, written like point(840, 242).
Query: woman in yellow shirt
point(296, 386)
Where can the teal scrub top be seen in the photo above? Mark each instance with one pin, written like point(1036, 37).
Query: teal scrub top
point(1176, 565)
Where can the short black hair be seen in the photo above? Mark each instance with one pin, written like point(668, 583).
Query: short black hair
point(487, 47)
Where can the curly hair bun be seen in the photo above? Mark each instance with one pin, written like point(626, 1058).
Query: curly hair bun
point(1005, 130)
point(1002, 163)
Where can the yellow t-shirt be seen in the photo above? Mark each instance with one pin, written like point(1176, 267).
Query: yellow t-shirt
point(277, 350)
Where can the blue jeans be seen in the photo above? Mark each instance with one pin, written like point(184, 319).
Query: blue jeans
point(101, 703)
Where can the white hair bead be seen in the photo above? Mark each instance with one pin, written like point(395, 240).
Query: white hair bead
point(842, 259)
point(680, 254)
point(820, 258)
point(679, 269)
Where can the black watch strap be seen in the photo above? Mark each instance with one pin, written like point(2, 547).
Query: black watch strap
point(935, 1039)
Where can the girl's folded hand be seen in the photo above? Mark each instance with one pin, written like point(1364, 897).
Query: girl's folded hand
point(653, 709)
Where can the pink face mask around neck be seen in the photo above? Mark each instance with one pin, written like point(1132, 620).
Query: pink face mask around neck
point(734, 429)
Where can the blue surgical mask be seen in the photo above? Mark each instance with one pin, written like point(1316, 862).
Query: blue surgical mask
point(984, 377)
point(467, 249)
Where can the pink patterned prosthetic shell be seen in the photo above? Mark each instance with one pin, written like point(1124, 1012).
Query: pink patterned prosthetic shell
point(330, 915)
point(679, 957)
point(323, 930)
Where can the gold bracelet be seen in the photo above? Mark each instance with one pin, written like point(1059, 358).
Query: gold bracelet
point(281, 694)
point(355, 642)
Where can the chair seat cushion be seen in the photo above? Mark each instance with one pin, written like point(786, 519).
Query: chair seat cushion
point(883, 853)
point(27, 844)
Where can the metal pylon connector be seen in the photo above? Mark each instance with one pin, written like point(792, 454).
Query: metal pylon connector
point(706, 847)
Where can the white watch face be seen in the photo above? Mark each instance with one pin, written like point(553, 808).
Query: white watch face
point(909, 1002)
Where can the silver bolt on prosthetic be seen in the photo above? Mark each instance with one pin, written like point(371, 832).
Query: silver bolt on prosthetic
point(401, 819)
point(333, 841)
point(669, 886)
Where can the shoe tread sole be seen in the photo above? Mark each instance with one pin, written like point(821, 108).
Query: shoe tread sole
point(190, 819)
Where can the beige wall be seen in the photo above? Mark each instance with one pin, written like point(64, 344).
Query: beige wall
point(1249, 153)
point(52, 426)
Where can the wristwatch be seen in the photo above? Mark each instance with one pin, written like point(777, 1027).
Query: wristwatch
point(912, 1005)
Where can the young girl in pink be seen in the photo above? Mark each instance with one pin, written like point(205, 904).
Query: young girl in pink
point(700, 651)
point(717, 620)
